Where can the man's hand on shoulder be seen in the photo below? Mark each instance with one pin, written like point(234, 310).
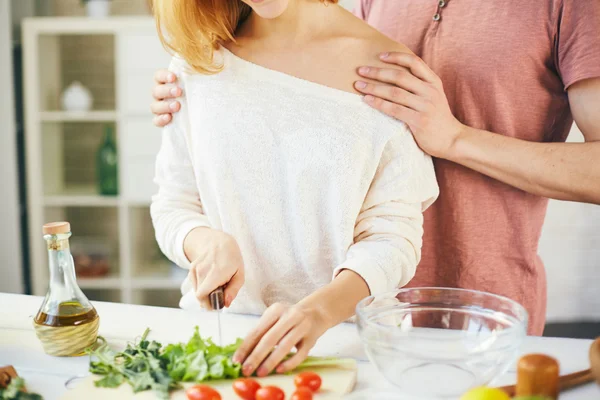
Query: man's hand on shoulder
point(164, 93)
point(411, 92)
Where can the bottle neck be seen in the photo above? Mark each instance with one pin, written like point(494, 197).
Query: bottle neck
point(108, 136)
point(62, 268)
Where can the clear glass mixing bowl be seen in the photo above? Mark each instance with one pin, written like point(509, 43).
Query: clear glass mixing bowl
point(437, 343)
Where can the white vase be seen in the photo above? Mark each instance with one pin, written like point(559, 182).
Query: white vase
point(77, 97)
point(98, 8)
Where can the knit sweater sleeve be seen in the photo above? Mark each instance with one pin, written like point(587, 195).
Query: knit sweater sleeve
point(389, 229)
point(176, 209)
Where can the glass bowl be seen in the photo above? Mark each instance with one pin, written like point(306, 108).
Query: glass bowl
point(437, 343)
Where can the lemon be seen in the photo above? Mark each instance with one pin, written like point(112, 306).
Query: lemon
point(485, 393)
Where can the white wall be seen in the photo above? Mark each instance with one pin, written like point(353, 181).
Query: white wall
point(570, 248)
point(10, 238)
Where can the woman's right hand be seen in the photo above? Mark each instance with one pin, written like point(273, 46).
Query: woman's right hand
point(165, 92)
point(216, 261)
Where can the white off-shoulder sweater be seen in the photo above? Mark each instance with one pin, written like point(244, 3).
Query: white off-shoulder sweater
point(307, 178)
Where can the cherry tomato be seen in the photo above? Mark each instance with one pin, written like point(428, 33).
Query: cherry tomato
point(309, 380)
point(270, 393)
point(246, 388)
point(202, 392)
point(302, 393)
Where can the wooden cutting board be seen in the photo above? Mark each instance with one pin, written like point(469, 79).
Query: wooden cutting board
point(337, 382)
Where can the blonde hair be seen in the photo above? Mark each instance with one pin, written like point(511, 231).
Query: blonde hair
point(194, 29)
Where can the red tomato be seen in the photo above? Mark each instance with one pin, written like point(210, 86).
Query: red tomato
point(246, 388)
point(302, 393)
point(309, 380)
point(202, 392)
point(270, 393)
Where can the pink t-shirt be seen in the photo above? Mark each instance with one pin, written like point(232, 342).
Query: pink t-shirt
point(506, 66)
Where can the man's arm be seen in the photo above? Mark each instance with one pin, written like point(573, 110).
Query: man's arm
point(565, 171)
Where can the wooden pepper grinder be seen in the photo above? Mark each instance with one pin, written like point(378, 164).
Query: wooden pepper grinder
point(538, 375)
point(7, 374)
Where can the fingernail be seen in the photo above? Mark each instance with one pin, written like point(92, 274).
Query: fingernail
point(364, 70)
point(384, 55)
point(165, 117)
point(171, 77)
point(262, 371)
point(236, 359)
point(369, 98)
point(227, 300)
point(247, 370)
point(174, 91)
point(173, 106)
point(361, 84)
point(281, 369)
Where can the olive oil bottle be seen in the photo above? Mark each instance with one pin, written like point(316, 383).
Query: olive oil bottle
point(66, 323)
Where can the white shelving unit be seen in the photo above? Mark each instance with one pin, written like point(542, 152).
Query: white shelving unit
point(116, 58)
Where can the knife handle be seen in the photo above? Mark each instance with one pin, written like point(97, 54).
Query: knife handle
point(217, 299)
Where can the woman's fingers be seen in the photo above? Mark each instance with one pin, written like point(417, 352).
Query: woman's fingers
point(211, 281)
point(269, 318)
point(292, 339)
point(267, 344)
point(233, 287)
point(201, 293)
point(303, 348)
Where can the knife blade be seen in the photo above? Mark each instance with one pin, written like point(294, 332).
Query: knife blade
point(217, 302)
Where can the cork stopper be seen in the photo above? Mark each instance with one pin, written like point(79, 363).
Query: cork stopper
point(538, 375)
point(57, 228)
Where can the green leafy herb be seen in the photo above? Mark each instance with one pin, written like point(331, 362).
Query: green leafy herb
point(148, 365)
point(14, 391)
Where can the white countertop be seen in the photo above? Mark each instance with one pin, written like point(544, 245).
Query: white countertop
point(122, 322)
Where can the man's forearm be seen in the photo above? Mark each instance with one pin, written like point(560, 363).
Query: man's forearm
point(336, 302)
point(563, 171)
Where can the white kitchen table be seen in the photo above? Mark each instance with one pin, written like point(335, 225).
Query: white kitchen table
point(120, 323)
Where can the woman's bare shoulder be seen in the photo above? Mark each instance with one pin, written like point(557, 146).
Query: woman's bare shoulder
point(370, 43)
point(362, 46)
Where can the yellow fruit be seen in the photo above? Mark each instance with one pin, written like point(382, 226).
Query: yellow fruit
point(485, 393)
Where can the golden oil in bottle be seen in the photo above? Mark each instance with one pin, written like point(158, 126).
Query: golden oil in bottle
point(67, 323)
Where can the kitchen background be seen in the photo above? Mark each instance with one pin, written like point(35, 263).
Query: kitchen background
point(76, 97)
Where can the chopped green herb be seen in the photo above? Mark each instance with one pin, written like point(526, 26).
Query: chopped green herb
point(148, 365)
point(14, 391)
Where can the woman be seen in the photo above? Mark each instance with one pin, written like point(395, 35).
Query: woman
point(275, 176)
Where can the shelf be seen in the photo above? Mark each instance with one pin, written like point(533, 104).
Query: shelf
point(78, 116)
point(105, 282)
point(81, 201)
point(81, 196)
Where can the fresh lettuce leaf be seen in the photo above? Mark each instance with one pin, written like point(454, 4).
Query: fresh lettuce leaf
point(147, 365)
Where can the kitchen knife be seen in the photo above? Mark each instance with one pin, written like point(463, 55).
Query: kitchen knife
point(217, 302)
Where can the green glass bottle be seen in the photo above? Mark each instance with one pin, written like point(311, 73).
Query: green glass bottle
point(106, 165)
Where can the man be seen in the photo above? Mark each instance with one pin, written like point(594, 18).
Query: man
point(492, 97)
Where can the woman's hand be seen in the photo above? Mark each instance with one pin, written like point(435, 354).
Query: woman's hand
point(280, 329)
point(216, 261)
point(164, 92)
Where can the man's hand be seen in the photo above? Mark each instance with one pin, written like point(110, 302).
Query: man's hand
point(164, 92)
point(413, 94)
